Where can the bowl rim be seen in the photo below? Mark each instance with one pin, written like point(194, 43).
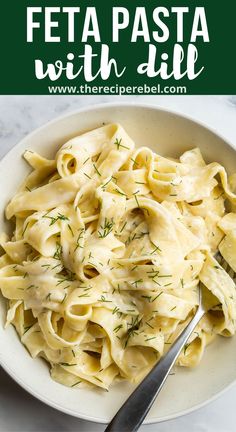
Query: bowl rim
point(90, 108)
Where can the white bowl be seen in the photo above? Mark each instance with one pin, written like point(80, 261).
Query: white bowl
point(168, 134)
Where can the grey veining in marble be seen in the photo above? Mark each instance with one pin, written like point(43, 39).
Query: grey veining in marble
point(20, 412)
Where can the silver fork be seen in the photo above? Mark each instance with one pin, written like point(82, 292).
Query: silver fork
point(132, 413)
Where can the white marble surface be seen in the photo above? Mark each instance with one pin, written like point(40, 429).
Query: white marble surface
point(20, 412)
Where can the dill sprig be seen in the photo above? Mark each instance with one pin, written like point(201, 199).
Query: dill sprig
point(152, 274)
point(118, 144)
point(136, 282)
point(157, 249)
point(67, 364)
point(146, 297)
point(96, 170)
point(135, 236)
point(27, 328)
point(136, 199)
point(76, 383)
point(186, 347)
point(134, 162)
point(133, 327)
point(26, 226)
point(123, 227)
point(71, 230)
point(106, 228)
point(86, 175)
point(222, 193)
point(98, 379)
point(65, 295)
point(84, 295)
point(31, 286)
point(148, 339)
point(158, 295)
point(117, 328)
point(47, 266)
point(105, 184)
point(57, 255)
point(116, 310)
point(104, 300)
point(86, 160)
point(80, 237)
point(150, 299)
point(149, 325)
point(120, 193)
point(134, 268)
point(56, 218)
point(68, 277)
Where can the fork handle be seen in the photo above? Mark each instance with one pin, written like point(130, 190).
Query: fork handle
point(132, 413)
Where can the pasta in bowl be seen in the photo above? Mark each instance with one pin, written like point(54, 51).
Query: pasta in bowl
point(109, 246)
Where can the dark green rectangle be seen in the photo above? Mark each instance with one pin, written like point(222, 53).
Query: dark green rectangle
point(18, 57)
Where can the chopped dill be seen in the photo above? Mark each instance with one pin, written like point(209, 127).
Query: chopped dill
point(23, 232)
point(76, 383)
point(151, 338)
point(134, 268)
point(86, 161)
point(149, 325)
point(80, 237)
point(117, 328)
point(96, 170)
point(105, 184)
point(64, 298)
point(57, 255)
point(106, 229)
point(119, 192)
point(72, 233)
point(115, 310)
point(136, 282)
point(158, 295)
point(87, 176)
point(27, 328)
point(104, 300)
point(98, 379)
point(134, 161)
point(67, 364)
point(56, 218)
point(157, 249)
point(123, 227)
point(186, 347)
point(136, 199)
point(118, 144)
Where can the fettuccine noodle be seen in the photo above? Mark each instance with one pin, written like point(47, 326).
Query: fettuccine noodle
point(109, 246)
